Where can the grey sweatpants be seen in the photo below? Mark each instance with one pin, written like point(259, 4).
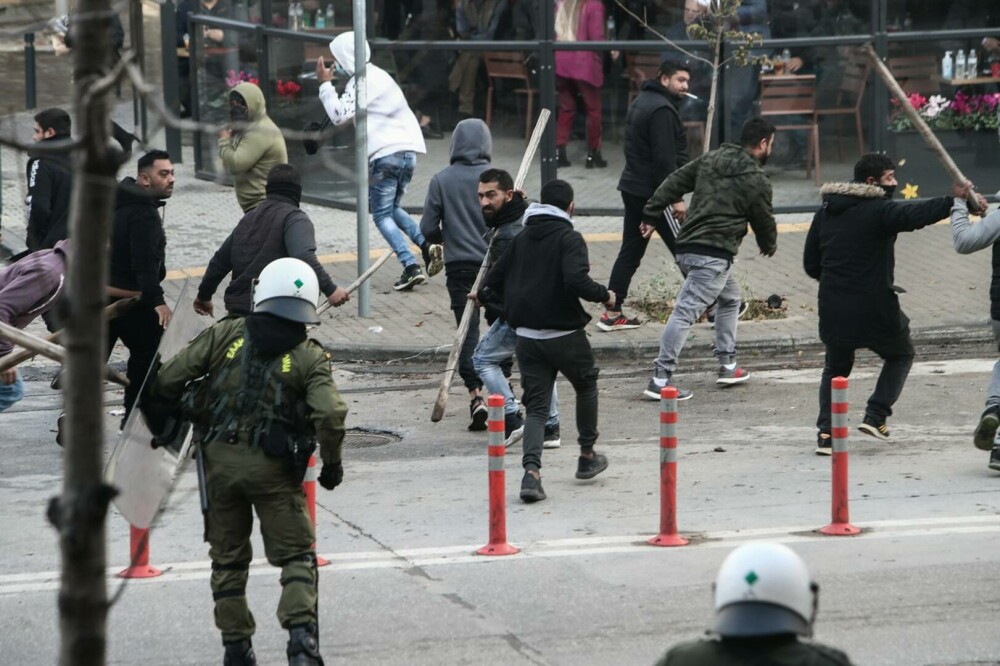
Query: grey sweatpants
point(993, 392)
point(706, 280)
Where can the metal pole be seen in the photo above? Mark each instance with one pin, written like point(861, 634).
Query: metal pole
point(880, 93)
point(171, 76)
point(361, 150)
point(30, 101)
point(547, 85)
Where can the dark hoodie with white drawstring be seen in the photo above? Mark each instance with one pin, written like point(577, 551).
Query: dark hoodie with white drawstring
point(544, 273)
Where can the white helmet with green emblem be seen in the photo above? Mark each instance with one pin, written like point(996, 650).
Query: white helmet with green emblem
point(287, 288)
point(764, 589)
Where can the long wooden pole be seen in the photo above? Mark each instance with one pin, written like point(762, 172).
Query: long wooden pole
point(49, 349)
point(463, 326)
point(918, 122)
point(361, 279)
point(113, 311)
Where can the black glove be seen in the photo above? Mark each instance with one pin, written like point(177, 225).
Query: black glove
point(332, 475)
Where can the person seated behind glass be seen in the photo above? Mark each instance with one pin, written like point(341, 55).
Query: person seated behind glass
point(218, 62)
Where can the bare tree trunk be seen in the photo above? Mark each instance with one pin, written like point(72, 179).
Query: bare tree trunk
point(713, 92)
point(79, 514)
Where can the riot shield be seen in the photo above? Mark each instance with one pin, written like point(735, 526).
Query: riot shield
point(143, 475)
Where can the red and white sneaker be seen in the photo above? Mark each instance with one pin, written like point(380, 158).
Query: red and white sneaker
point(619, 323)
point(729, 377)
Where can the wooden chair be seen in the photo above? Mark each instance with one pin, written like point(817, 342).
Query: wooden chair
point(638, 68)
point(848, 101)
point(916, 73)
point(793, 95)
point(509, 65)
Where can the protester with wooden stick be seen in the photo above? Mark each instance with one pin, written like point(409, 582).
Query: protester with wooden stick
point(850, 250)
point(452, 217)
point(542, 277)
point(28, 288)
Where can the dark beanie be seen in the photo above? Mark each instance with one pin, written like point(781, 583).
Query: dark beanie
point(291, 191)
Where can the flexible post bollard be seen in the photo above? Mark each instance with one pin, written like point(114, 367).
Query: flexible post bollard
point(139, 555)
point(498, 482)
point(841, 521)
point(668, 535)
point(309, 488)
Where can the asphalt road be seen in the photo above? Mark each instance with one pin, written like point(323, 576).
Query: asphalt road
point(403, 587)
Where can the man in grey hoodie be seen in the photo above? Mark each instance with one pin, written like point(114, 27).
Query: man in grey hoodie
point(29, 288)
point(452, 217)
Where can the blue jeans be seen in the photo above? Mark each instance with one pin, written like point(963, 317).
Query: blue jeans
point(11, 393)
point(495, 347)
point(388, 178)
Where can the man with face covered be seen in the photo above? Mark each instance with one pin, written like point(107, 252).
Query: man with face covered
point(252, 146)
point(138, 266)
point(850, 250)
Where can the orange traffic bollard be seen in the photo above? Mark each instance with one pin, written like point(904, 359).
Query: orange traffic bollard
point(498, 482)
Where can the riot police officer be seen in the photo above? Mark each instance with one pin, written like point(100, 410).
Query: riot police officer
point(764, 600)
point(260, 396)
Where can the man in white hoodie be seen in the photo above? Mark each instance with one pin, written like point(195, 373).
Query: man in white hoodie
point(394, 139)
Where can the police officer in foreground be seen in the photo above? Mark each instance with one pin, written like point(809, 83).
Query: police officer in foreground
point(764, 600)
point(265, 396)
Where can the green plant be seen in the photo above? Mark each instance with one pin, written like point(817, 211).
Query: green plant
point(963, 112)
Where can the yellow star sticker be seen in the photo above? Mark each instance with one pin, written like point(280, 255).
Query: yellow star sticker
point(911, 191)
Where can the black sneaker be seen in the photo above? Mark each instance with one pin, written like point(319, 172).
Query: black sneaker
point(995, 458)
point(411, 277)
point(874, 426)
point(552, 439)
point(824, 445)
point(513, 429)
point(478, 413)
point(652, 391)
point(531, 488)
point(588, 468)
point(986, 431)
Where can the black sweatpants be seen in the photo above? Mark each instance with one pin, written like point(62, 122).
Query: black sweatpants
point(140, 331)
point(634, 246)
point(539, 361)
point(897, 356)
point(459, 280)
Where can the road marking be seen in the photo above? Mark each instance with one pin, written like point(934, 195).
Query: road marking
point(47, 581)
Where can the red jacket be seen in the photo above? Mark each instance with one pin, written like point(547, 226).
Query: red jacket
point(586, 66)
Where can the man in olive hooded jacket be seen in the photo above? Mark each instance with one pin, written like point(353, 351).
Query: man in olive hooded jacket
point(250, 150)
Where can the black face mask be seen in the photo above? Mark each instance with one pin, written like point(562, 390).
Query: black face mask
point(239, 114)
point(889, 190)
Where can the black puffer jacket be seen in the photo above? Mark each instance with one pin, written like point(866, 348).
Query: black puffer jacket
point(655, 140)
point(138, 244)
point(850, 249)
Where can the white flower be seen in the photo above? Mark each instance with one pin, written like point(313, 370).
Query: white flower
point(935, 105)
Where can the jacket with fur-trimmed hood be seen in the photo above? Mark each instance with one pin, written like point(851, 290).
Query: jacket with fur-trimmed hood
point(452, 214)
point(392, 127)
point(250, 153)
point(850, 249)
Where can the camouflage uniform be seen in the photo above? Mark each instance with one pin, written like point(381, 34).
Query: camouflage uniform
point(763, 651)
point(241, 477)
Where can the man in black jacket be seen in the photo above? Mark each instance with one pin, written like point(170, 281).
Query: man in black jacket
point(655, 147)
point(50, 183)
point(275, 229)
point(542, 277)
point(138, 266)
point(850, 250)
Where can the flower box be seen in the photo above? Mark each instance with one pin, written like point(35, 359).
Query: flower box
point(977, 155)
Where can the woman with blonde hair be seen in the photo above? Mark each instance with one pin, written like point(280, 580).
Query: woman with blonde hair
point(580, 73)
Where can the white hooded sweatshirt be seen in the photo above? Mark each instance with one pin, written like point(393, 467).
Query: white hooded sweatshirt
point(392, 127)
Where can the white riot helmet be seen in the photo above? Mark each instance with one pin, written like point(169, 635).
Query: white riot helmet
point(764, 589)
point(287, 288)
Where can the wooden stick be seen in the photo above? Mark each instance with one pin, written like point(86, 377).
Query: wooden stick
point(360, 281)
point(49, 350)
point(463, 326)
point(918, 122)
point(113, 311)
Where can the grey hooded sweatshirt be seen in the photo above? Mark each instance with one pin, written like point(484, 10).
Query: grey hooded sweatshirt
point(451, 210)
